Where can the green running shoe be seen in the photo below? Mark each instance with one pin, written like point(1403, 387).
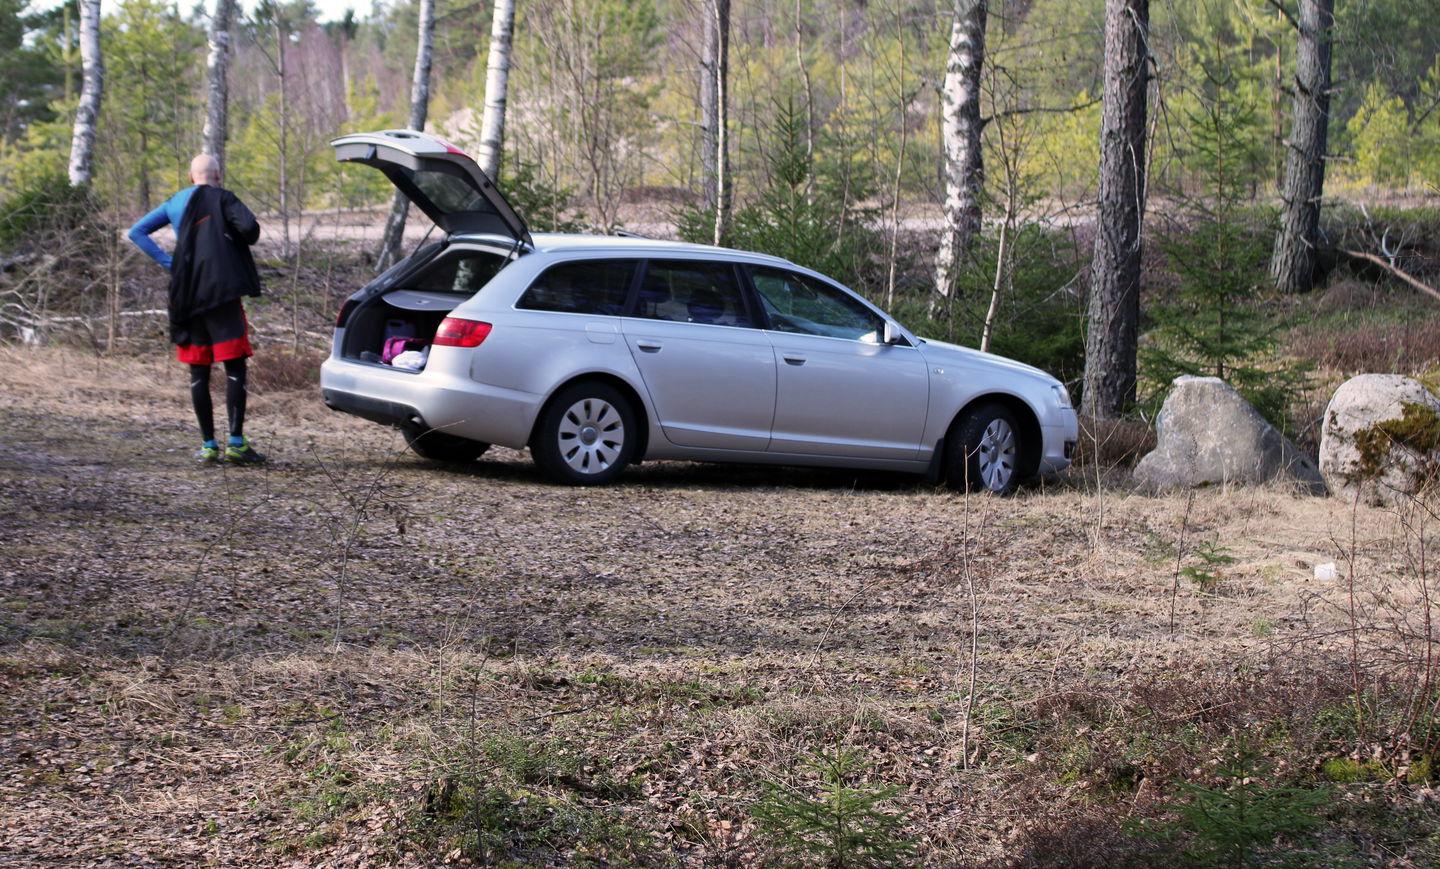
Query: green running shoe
point(243, 454)
point(207, 455)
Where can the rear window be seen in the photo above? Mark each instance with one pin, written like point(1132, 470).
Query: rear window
point(587, 287)
point(460, 273)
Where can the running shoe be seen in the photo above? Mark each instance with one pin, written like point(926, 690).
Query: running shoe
point(243, 454)
point(207, 455)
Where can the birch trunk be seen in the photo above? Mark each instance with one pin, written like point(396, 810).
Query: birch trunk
point(1114, 311)
point(282, 46)
point(497, 84)
point(419, 106)
point(722, 118)
point(964, 165)
point(714, 121)
point(92, 86)
point(1292, 264)
point(217, 109)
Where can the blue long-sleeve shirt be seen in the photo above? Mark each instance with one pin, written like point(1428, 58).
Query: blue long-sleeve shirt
point(168, 213)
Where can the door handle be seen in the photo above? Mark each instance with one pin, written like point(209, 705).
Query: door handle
point(795, 360)
point(648, 346)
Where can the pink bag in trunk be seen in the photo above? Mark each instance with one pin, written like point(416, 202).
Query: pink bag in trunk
point(395, 346)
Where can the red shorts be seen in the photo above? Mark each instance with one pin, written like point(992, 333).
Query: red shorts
point(216, 335)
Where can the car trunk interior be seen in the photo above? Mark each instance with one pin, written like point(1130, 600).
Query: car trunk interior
point(406, 318)
point(413, 315)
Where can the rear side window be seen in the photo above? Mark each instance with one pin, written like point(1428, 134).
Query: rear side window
point(588, 287)
point(692, 291)
point(465, 272)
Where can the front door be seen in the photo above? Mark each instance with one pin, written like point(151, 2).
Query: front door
point(839, 390)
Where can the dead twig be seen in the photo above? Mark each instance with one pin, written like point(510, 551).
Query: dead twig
point(1394, 270)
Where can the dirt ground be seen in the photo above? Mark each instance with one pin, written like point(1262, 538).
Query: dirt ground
point(352, 656)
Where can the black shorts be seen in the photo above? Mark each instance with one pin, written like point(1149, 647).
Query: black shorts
point(217, 335)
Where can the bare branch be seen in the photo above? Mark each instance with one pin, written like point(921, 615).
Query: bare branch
point(1037, 109)
point(1394, 270)
point(1289, 16)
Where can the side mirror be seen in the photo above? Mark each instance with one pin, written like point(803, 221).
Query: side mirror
point(892, 335)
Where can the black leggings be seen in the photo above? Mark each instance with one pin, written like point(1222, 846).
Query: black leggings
point(234, 397)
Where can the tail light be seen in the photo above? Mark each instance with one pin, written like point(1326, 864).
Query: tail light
point(456, 332)
point(344, 313)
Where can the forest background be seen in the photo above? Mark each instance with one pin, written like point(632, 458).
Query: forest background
point(836, 154)
point(353, 659)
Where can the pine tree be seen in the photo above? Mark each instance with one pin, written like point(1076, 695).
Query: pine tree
point(1214, 325)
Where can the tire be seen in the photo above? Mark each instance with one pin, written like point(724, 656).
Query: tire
point(984, 450)
point(586, 435)
point(438, 446)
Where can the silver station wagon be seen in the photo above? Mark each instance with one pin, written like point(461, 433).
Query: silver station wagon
point(597, 352)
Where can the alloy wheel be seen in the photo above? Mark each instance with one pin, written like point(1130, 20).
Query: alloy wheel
point(995, 455)
point(591, 435)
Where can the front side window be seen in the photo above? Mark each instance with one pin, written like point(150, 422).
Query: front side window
point(465, 272)
point(587, 287)
point(692, 291)
point(801, 304)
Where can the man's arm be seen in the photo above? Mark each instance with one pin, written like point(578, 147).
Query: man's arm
point(240, 219)
point(140, 235)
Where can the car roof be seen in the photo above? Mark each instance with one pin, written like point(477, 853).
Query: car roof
point(559, 242)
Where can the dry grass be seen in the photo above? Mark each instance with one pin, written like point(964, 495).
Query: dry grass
point(1113, 442)
point(352, 656)
point(1389, 348)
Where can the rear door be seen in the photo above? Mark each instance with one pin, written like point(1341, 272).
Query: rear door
point(709, 372)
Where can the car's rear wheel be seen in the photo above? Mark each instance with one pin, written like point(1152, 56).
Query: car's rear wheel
point(984, 450)
point(428, 443)
point(586, 435)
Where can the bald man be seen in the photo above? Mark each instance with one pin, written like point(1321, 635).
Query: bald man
point(210, 271)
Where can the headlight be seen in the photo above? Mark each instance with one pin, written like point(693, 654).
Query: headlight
point(1062, 395)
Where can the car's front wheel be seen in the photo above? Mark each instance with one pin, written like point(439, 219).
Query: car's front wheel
point(984, 450)
point(428, 443)
point(586, 435)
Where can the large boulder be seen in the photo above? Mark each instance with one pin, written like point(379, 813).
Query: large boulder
point(1207, 434)
point(1380, 438)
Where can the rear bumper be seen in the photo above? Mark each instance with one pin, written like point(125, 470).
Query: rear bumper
point(373, 409)
point(434, 398)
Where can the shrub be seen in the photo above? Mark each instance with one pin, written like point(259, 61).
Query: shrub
point(840, 827)
point(1039, 321)
point(803, 214)
point(543, 207)
point(1238, 821)
point(46, 204)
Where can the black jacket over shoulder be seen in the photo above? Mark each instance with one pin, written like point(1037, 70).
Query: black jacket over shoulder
point(212, 262)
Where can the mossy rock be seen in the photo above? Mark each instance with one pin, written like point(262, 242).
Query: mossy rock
point(1381, 438)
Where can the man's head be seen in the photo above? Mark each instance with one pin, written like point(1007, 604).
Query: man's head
point(204, 170)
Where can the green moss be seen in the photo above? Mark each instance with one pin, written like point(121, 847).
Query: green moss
point(1420, 772)
point(1347, 770)
point(1417, 428)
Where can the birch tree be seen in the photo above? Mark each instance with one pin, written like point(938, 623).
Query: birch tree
point(497, 83)
point(1114, 312)
point(419, 106)
point(1292, 265)
point(82, 141)
point(961, 127)
point(714, 115)
point(217, 109)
